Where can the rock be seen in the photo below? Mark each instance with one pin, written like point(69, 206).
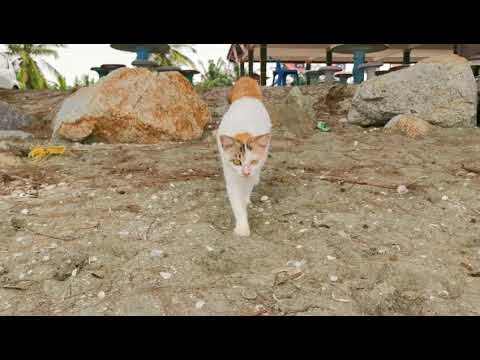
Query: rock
point(441, 91)
point(295, 113)
point(8, 159)
point(11, 118)
point(14, 135)
point(410, 125)
point(133, 106)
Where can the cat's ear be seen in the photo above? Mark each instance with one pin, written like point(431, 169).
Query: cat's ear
point(227, 142)
point(262, 141)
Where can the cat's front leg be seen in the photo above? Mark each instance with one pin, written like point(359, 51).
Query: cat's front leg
point(239, 207)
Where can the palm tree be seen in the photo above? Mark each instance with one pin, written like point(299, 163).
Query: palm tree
point(29, 74)
point(175, 57)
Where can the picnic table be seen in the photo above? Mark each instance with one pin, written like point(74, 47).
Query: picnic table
point(143, 52)
point(106, 69)
point(359, 51)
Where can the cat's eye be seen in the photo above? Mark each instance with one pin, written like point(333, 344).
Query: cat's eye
point(254, 162)
point(237, 162)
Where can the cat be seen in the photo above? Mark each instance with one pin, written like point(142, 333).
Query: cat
point(243, 138)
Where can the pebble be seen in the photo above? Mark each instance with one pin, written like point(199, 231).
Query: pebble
point(156, 253)
point(264, 198)
point(74, 272)
point(165, 275)
point(25, 212)
point(444, 294)
point(402, 189)
point(267, 222)
point(154, 197)
point(444, 197)
point(46, 258)
point(101, 295)
point(199, 304)
point(333, 278)
point(331, 257)
point(92, 259)
point(296, 263)
point(303, 230)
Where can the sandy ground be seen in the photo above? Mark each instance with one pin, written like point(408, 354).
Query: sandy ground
point(137, 230)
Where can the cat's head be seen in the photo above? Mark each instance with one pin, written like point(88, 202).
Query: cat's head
point(245, 153)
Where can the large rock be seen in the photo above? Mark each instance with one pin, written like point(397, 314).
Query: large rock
point(11, 118)
point(296, 113)
point(440, 90)
point(133, 106)
point(15, 135)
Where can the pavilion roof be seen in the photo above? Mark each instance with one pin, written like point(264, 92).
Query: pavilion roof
point(317, 53)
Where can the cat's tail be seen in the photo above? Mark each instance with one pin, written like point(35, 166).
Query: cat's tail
point(244, 87)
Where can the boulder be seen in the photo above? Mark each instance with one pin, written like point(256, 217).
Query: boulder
point(410, 125)
point(296, 113)
point(12, 119)
point(440, 90)
point(15, 135)
point(133, 106)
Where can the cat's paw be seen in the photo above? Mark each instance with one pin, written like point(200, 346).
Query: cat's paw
point(242, 231)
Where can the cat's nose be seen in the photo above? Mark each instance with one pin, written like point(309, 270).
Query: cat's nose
point(246, 172)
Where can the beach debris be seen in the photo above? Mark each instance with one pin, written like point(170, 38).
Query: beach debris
point(40, 152)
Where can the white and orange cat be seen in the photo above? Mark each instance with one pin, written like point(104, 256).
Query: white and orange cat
point(244, 140)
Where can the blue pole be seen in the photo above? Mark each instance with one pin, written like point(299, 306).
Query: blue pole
point(143, 54)
point(358, 59)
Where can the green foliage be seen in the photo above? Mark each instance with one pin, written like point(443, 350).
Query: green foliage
point(175, 57)
point(30, 75)
point(83, 81)
point(216, 75)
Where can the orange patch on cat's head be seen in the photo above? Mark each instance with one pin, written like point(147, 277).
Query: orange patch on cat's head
point(243, 138)
point(245, 87)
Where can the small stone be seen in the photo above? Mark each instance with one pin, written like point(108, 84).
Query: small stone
point(295, 263)
point(443, 294)
point(165, 275)
point(199, 304)
point(92, 259)
point(25, 212)
point(264, 198)
point(444, 197)
point(333, 278)
point(267, 222)
point(74, 272)
point(46, 258)
point(331, 257)
point(402, 189)
point(154, 197)
point(101, 295)
point(303, 230)
point(156, 253)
